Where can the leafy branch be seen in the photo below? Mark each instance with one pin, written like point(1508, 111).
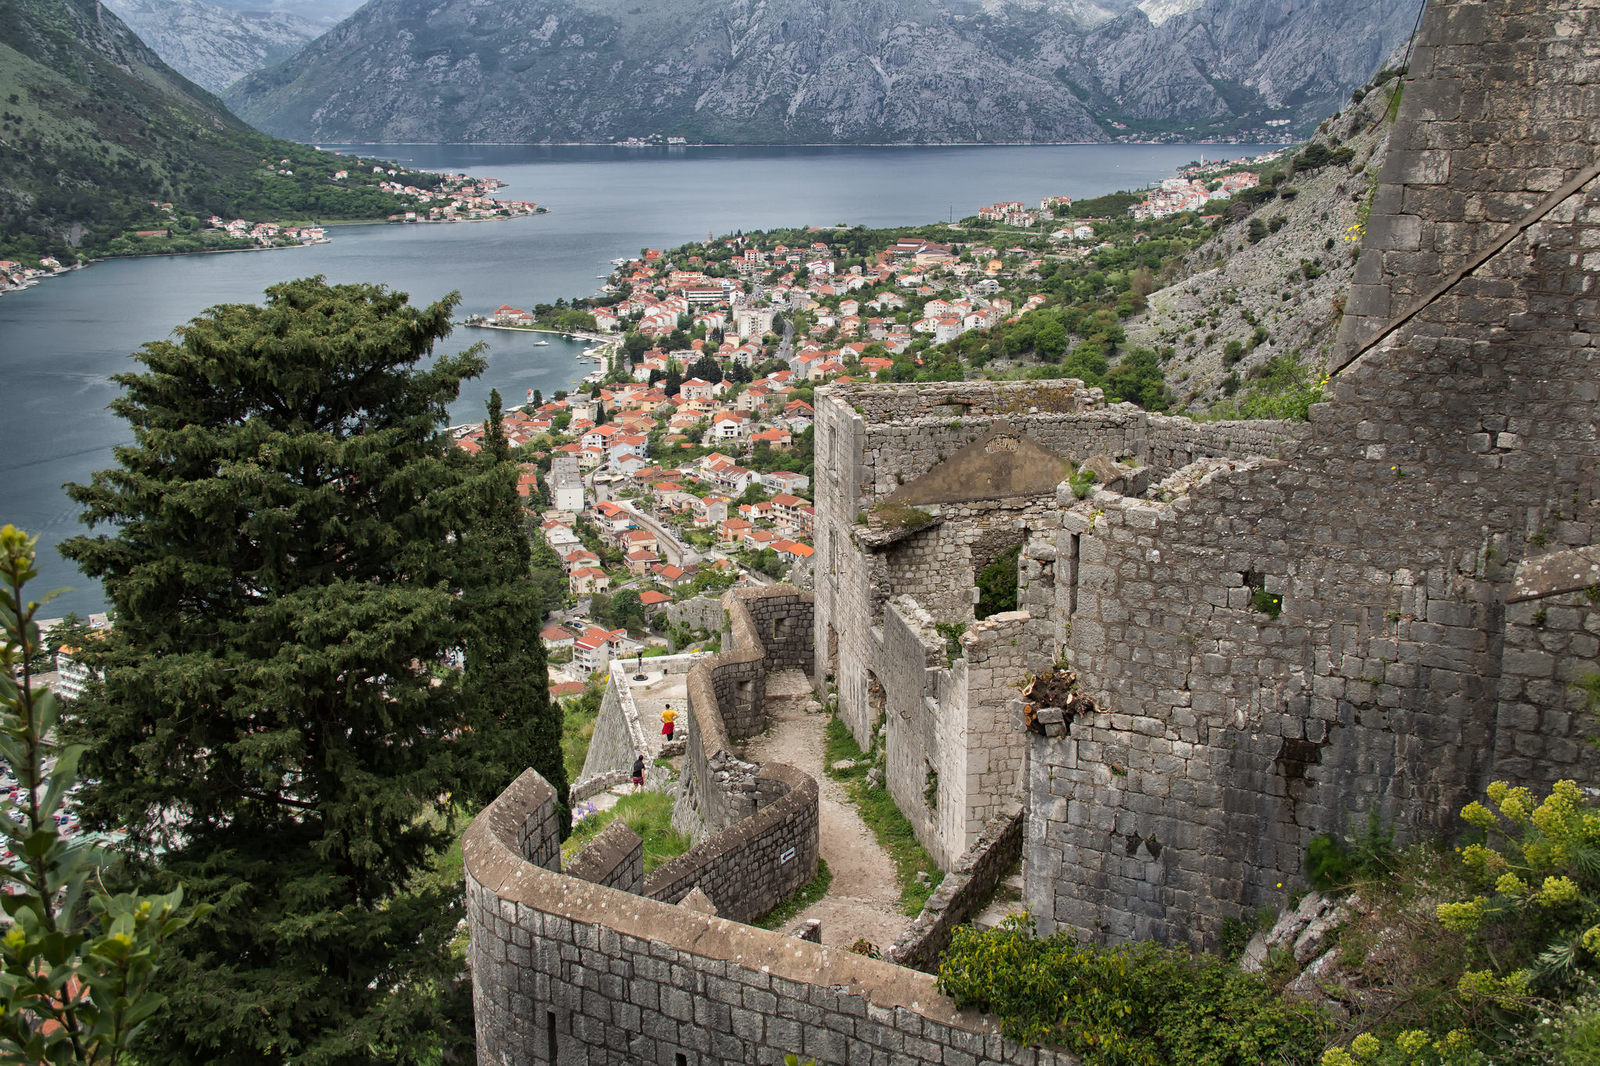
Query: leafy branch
point(76, 974)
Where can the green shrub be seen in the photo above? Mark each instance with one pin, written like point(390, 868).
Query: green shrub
point(1334, 862)
point(1082, 483)
point(997, 584)
point(1132, 1005)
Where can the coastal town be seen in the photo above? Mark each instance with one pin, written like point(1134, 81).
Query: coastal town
point(684, 464)
point(453, 198)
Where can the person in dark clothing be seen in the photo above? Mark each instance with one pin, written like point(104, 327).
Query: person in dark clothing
point(638, 773)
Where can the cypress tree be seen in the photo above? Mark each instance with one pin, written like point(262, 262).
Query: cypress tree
point(507, 678)
point(294, 557)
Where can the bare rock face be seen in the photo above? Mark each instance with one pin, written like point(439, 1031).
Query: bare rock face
point(797, 71)
point(213, 46)
point(1291, 927)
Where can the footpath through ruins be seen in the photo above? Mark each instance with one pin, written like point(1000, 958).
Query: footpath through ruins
point(863, 900)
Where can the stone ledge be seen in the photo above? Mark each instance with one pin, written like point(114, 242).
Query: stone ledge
point(1553, 574)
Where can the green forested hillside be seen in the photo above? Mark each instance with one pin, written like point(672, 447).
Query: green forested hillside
point(94, 127)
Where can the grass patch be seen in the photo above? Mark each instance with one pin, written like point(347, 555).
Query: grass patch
point(899, 516)
point(648, 814)
point(883, 817)
point(577, 728)
point(837, 744)
point(809, 893)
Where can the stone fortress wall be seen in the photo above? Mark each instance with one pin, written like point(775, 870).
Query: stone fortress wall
point(1389, 676)
point(768, 629)
point(1429, 538)
point(599, 966)
point(1455, 445)
point(982, 460)
point(620, 734)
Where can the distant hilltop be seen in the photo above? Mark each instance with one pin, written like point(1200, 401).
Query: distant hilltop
point(806, 71)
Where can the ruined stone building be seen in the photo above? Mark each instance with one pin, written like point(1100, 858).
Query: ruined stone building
point(1280, 628)
point(1276, 629)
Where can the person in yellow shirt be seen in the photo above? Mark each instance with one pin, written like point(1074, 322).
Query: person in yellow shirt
point(669, 719)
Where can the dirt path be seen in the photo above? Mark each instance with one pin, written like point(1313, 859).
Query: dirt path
point(864, 899)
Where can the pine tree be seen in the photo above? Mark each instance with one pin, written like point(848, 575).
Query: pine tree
point(294, 557)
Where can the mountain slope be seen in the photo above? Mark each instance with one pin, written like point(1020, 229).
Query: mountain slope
point(1271, 283)
point(94, 127)
point(851, 71)
point(214, 46)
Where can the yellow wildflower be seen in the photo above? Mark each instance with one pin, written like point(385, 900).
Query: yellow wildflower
point(1365, 1046)
point(1461, 917)
point(1511, 885)
point(1558, 892)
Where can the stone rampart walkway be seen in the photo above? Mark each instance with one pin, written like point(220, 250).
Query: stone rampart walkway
point(864, 899)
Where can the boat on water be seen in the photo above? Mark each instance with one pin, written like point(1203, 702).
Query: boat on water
point(541, 344)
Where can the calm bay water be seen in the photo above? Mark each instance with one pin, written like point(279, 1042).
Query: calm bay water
point(61, 340)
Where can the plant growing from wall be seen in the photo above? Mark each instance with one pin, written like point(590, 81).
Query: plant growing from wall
point(951, 632)
point(1334, 862)
point(1082, 482)
point(899, 516)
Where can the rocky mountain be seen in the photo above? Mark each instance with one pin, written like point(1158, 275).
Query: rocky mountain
point(1271, 284)
point(832, 71)
point(98, 137)
point(214, 46)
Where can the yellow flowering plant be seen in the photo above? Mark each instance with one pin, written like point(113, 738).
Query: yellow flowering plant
point(1538, 871)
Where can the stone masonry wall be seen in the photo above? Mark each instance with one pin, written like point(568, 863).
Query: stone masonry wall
point(996, 654)
point(619, 734)
point(769, 629)
point(882, 441)
point(965, 891)
point(1548, 668)
point(565, 971)
point(754, 865)
point(698, 612)
point(1399, 676)
point(954, 760)
point(614, 858)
